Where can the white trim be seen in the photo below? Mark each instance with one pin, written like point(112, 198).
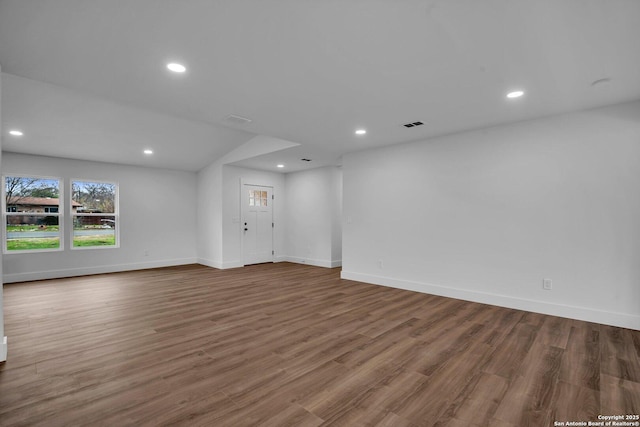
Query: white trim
point(3, 349)
point(622, 320)
point(241, 224)
point(31, 251)
point(309, 261)
point(84, 271)
point(210, 263)
point(220, 265)
point(231, 264)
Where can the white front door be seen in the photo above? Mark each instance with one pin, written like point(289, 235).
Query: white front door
point(257, 224)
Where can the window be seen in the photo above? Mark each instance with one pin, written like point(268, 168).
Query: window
point(94, 208)
point(34, 212)
point(31, 214)
point(257, 198)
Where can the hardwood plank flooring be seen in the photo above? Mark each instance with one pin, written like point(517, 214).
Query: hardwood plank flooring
point(293, 345)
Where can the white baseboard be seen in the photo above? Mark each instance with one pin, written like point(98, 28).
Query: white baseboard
point(622, 320)
point(232, 264)
point(279, 258)
point(310, 261)
point(3, 349)
point(84, 271)
point(210, 263)
point(220, 265)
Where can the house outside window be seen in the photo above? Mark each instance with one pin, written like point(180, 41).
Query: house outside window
point(34, 211)
point(32, 214)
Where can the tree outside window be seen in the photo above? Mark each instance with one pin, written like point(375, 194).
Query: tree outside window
point(95, 218)
point(31, 213)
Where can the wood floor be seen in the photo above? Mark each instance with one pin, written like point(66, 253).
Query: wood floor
point(293, 345)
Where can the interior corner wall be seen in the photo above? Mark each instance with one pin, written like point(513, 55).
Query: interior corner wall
point(313, 217)
point(232, 176)
point(209, 216)
point(157, 221)
point(487, 215)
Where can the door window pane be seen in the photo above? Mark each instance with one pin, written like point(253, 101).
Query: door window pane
point(257, 198)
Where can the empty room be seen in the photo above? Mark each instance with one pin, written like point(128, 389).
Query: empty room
point(320, 213)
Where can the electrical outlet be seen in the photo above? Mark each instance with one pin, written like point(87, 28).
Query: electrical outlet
point(547, 284)
point(380, 264)
point(146, 252)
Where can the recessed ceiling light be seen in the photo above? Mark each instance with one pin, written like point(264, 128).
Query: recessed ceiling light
point(176, 68)
point(280, 166)
point(147, 151)
point(361, 131)
point(515, 94)
point(16, 132)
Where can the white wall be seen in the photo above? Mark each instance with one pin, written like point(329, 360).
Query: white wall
point(306, 213)
point(209, 216)
point(231, 211)
point(336, 219)
point(156, 215)
point(3, 339)
point(313, 217)
point(486, 215)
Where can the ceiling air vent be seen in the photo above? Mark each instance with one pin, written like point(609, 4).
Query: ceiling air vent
point(413, 124)
point(237, 120)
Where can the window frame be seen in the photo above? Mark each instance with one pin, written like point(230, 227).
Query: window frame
point(60, 214)
point(115, 214)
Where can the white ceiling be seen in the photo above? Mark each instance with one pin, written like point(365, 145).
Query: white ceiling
point(60, 122)
point(305, 71)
